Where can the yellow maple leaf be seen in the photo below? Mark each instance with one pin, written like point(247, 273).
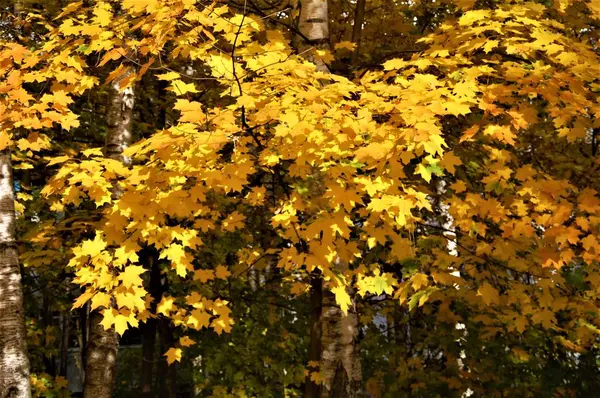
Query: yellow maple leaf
point(92, 152)
point(222, 272)
point(4, 140)
point(181, 88)
point(108, 318)
point(131, 276)
point(489, 294)
point(198, 319)
point(418, 280)
point(191, 111)
point(53, 161)
point(185, 341)
point(347, 45)
point(94, 247)
point(173, 354)
point(221, 324)
point(450, 161)
point(169, 76)
point(204, 275)
point(166, 305)
point(233, 222)
point(342, 298)
point(100, 299)
point(458, 187)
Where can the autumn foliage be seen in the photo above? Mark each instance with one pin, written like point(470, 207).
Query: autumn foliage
point(447, 193)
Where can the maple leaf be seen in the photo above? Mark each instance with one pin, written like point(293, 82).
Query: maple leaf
point(53, 161)
point(521, 324)
point(450, 161)
point(489, 294)
point(458, 187)
point(342, 298)
point(100, 299)
point(317, 377)
point(324, 56)
point(419, 280)
point(82, 299)
point(181, 88)
point(204, 275)
point(120, 324)
point(94, 247)
point(166, 306)
point(347, 45)
point(169, 76)
point(221, 324)
point(131, 276)
point(545, 317)
point(198, 319)
point(185, 341)
point(92, 152)
point(222, 272)
point(4, 140)
point(490, 45)
point(392, 64)
point(173, 354)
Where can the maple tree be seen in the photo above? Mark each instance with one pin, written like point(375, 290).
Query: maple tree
point(437, 193)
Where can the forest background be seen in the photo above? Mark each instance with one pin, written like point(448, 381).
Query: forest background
point(318, 198)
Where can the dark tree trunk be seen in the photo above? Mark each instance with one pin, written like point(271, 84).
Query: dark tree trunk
point(312, 389)
point(359, 19)
point(168, 380)
point(149, 332)
point(64, 345)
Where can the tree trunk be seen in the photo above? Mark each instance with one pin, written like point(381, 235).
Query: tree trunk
point(103, 344)
point(359, 18)
point(168, 384)
point(312, 389)
point(340, 360)
point(101, 360)
point(47, 321)
point(64, 345)
point(149, 332)
point(314, 27)
point(14, 364)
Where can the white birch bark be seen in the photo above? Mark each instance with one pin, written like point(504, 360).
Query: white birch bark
point(14, 363)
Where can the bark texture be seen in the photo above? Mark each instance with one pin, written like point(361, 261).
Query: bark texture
point(168, 379)
point(359, 19)
point(314, 27)
point(14, 364)
point(340, 360)
point(101, 359)
point(149, 331)
point(312, 389)
point(103, 344)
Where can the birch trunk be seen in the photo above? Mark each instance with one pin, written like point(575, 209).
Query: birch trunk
point(339, 360)
point(101, 356)
point(14, 364)
point(313, 25)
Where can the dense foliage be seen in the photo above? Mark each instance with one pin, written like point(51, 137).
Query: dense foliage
point(439, 181)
